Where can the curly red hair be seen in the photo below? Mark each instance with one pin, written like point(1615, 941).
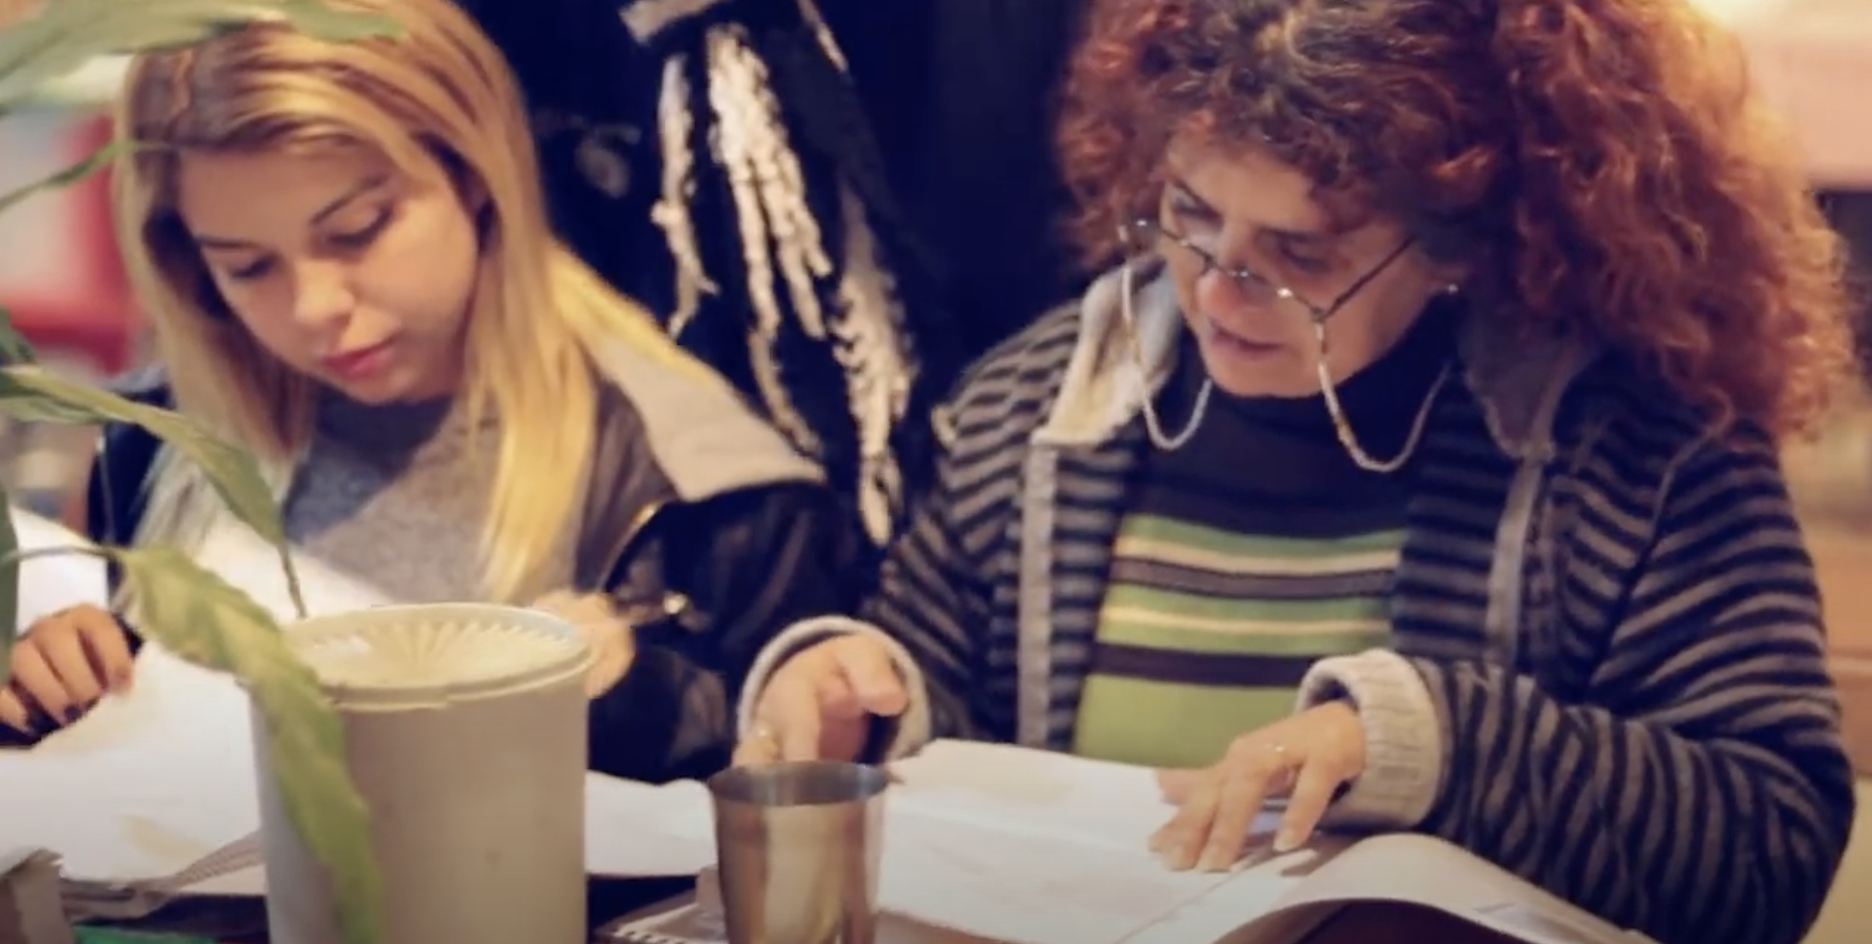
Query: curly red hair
point(1600, 164)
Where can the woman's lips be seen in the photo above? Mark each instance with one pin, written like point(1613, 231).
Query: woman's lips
point(361, 362)
point(1236, 343)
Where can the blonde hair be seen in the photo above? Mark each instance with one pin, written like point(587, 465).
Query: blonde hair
point(438, 94)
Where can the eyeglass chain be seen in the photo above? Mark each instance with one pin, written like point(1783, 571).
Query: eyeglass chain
point(1342, 427)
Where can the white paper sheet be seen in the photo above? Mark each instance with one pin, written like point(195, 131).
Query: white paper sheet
point(1030, 847)
point(1042, 794)
point(635, 829)
point(50, 584)
point(149, 782)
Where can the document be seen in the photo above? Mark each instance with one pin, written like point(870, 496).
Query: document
point(1030, 847)
point(52, 583)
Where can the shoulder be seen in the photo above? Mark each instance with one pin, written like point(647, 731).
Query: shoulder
point(147, 385)
point(698, 433)
point(1005, 395)
point(126, 444)
point(126, 454)
point(811, 509)
point(1661, 461)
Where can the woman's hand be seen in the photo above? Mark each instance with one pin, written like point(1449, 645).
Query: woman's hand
point(819, 704)
point(1306, 758)
point(613, 641)
point(62, 666)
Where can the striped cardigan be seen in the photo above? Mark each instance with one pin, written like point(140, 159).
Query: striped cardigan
point(1608, 673)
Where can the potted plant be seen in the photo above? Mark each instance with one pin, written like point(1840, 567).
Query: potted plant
point(183, 607)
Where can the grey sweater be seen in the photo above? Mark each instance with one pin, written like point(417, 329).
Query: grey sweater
point(396, 495)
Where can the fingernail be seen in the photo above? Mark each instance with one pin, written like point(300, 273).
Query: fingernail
point(1287, 840)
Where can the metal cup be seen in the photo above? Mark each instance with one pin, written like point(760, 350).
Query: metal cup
point(798, 847)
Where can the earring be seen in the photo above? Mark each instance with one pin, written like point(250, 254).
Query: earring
point(1452, 289)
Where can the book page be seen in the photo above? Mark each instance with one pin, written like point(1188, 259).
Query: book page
point(635, 830)
point(1423, 870)
point(149, 782)
point(1030, 847)
point(50, 584)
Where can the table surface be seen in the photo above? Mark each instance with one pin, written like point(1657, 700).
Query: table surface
point(243, 920)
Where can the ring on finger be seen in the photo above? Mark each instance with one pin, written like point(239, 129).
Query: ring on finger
point(1283, 765)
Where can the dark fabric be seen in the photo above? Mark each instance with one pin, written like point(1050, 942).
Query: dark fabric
point(1273, 466)
point(964, 97)
point(724, 575)
point(592, 91)
point(748, 564)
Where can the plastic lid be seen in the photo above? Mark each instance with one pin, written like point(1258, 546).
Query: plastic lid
point(406, 656)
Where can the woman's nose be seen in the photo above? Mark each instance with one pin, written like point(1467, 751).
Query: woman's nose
point(322, 293)
point(1229, 293)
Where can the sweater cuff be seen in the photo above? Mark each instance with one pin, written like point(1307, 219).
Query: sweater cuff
point(894, 738)
point(1403, 738)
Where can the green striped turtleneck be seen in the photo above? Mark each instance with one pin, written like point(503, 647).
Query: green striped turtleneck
point(1248, 554)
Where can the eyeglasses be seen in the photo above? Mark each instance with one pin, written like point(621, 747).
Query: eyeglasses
point(1142, 231)
point(1138, 234)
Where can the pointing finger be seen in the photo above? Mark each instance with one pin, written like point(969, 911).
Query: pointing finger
point(1312, 793)
point(793, 708)
point(873, 676)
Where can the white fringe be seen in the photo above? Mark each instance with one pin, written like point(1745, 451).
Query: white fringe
point(735, 88)
point(779, 232)
point(671, 212)
point(782, 187)
point(874, 347)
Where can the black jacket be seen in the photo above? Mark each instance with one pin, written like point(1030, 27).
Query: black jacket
point(708, 563)
point(592, 86)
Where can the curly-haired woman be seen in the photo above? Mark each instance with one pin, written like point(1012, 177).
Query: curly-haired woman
point(1439, 377)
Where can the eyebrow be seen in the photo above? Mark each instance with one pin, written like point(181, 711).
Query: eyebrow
point(1278, 232)
point(325, 212)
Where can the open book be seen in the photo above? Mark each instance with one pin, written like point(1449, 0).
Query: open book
point(990, 844)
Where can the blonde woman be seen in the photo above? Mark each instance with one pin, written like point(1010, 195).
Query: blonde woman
point(345, 257)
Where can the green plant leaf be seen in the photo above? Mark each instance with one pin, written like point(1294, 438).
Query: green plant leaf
point(67, 34)
point(9, 587)
point(98, 160)
point(31, 392)
point(14, 348)
point(199, 616)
